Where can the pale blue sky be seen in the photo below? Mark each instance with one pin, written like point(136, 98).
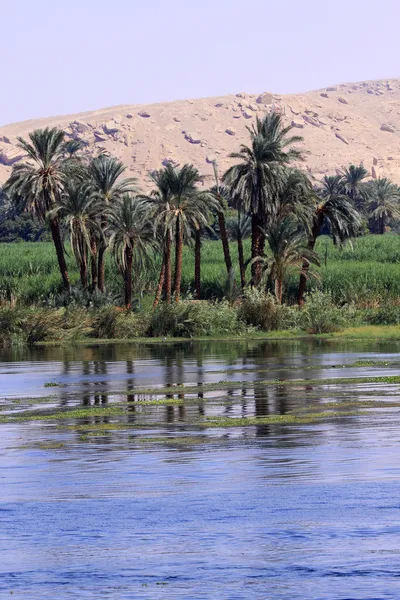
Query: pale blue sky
point(66, 56)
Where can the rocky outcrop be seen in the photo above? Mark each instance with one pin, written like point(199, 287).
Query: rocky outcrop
point(265, 98)
point(110, 127)
point(192, 138)
point(9, 155)
point(341, 138)
point(388, 128)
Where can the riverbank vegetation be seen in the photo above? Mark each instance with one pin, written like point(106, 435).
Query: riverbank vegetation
point(265, 248)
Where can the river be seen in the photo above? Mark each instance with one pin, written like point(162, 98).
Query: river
point(162, 503)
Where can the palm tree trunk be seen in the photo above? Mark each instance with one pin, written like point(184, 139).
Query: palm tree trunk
point(128, 276)
point(178, 260)
point(83, 274)
point(160, 283)
point(56, 235)
point(279, 289)
point(101, 268)
point(224, 240)
point(197, 264)
point(241, 257)
point(315, 232)
point(382, 225)
point(257, 247)
point(93, 265)
point(168, 274)
point(101, 257)
point(303, 275)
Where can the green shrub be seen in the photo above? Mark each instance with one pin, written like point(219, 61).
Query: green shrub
point(9, 326)
point(261, 310)
point(387, 314)
point(132, 325)
point(104, 323)
point(195, 318)
point(76, 323)
point(321, 315)
point(214, 318)
point(40, 325)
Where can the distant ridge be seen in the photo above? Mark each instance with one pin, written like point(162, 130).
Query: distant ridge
point(340, 124)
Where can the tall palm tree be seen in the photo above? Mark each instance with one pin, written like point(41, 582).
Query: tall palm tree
point(383, 202)
point(335, 209)
point(288, 247)
point(353, 181)
point(187, 210)
point(78, 208)
point(105, 172)
point(239, 229)
point(36, 184)
point(132, 237)
point(161, 201)
point(256, 180)
point(221, 193)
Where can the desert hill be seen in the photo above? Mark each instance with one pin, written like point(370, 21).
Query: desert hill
point(340, 124)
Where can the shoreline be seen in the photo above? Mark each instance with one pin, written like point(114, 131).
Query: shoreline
point(363, 333)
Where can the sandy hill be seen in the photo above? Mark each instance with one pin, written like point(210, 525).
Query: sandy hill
point(340, 124)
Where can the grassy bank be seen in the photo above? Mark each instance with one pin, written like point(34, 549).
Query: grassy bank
point(367, 272)
point(359, 299)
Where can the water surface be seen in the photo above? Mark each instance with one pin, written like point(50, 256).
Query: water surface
point(168, 508)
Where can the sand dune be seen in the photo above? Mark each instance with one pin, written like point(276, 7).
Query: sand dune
point(340, 124)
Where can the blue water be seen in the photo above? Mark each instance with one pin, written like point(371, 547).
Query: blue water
point(310, 512)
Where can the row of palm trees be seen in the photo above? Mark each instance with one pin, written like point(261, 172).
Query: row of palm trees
point(103, 209)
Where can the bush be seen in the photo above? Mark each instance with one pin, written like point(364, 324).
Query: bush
point(40, 325)
point(261, 310)
point(105, 322)
point(195, 318)
point(321, 315)
point(9, 326)
point(387, 314)
point(76, 323)
point(132, 325)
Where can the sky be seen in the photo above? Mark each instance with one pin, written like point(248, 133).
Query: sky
point(68, 56)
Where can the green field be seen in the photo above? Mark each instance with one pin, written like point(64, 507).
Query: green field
point(366, 272)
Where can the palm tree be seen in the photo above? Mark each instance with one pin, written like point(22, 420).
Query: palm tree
point(186, 211)
point(296, 197)
point(354, 185)
point(287, 244)
point(383, 202)
point(239, 229)
point(335, 209)
point(161, 201)
point(36, 184)
point(221, 193)
point(132, 237)
point(105, 172)
point(78, 208)
point(256, 180)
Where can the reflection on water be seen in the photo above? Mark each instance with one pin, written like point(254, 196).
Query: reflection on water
point(171, 510)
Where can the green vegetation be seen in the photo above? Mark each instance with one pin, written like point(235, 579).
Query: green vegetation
point(118, 247)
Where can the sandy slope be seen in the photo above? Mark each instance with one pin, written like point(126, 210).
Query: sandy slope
point(341, 124)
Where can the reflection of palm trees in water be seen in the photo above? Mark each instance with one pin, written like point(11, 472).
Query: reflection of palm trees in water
point(86, 383)
point(200, 381)
point(130, 384)
point(100, 368)
point(66, 371)
point(180, 380)
point(169, 382)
